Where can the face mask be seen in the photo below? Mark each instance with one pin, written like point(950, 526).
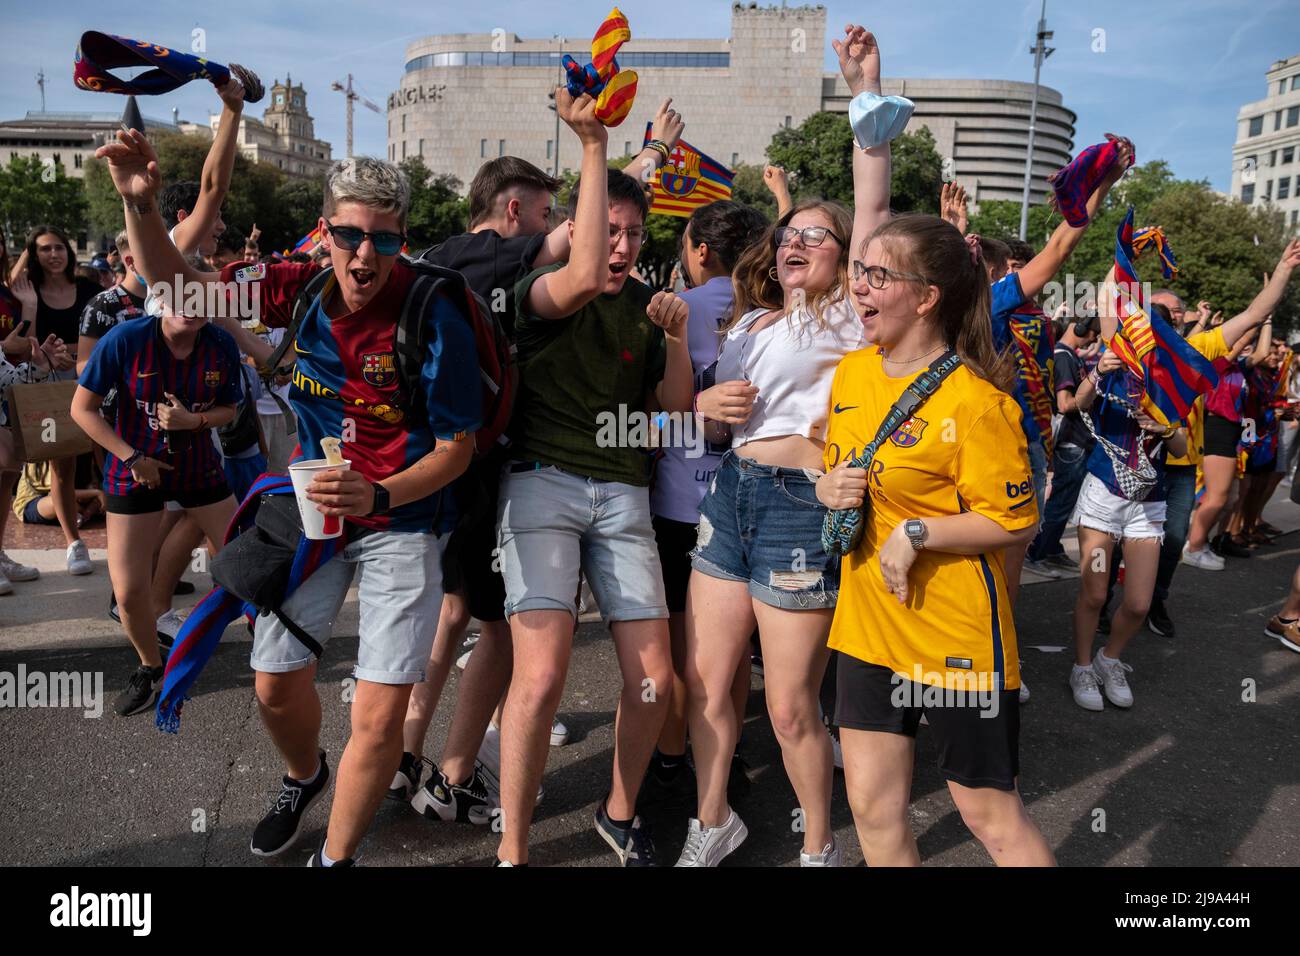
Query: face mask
point(878, 119)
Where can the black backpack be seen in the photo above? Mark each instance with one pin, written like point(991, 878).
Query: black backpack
point(495, 353)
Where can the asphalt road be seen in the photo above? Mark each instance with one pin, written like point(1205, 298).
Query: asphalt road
point(1192, 775)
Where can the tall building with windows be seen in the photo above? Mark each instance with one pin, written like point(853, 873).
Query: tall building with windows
point(1266, 156)
point(285, 136)
point(467, 98)
point(69, 138)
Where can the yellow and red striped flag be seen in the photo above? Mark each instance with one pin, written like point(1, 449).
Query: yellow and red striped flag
point(688, 181)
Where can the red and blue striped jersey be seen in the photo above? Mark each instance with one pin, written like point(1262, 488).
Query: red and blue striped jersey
point(134, 359)
point(345, 383)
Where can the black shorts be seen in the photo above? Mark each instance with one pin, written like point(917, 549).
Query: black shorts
point(1221, 436)
point(975, 750)
point(676, 541)
point(148, 500)
point(469, 561)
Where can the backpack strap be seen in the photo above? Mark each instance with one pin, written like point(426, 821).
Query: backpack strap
point(301, 303)
point(913, 397)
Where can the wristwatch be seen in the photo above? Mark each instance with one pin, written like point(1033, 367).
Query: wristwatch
point(916, 532)
point(381, 500)
point(129, 462)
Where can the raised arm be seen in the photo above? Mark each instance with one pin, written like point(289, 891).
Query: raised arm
point(1267, 300)
point(953, 206)
point(666, 128)
point(1040, 269)
point(778, 184)
point(134, 167)
point(555, 248)
point(214, 183)
point(559, 294)
point(860, 63)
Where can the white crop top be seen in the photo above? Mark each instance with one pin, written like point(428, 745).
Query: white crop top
point(792, 363)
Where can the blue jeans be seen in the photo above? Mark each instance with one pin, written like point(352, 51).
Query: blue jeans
point(1180, 482)
point(1069, 465)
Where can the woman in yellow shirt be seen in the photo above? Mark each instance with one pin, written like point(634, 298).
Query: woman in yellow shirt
point(923, 622)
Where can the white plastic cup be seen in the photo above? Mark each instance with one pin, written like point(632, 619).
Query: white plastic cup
point(317, 526)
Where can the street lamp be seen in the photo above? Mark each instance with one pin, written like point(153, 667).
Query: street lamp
point(559, 61)
point(1041, 52)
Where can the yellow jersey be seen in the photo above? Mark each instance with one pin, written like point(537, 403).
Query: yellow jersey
point(964, 450)
point(1212, 346)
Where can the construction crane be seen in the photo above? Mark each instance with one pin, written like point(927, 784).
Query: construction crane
point(352, 95)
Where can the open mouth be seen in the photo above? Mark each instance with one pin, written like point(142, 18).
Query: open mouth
point(617, 268)
point(867, 311)
point(795, 261)
point(362, 278)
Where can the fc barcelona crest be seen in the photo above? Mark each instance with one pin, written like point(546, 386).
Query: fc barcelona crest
point(379, 369)
point(212, 378)
point(909, 433)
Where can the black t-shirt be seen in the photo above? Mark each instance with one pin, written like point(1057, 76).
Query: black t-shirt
point(107, 309)
point(491, 264)
point(1068, 373)
point(65, 322)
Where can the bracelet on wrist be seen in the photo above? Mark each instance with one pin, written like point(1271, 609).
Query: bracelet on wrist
point(660, 147)
point(203, 423)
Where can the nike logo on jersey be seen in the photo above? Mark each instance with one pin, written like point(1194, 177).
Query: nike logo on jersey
point(145, 374)
point(843, 408)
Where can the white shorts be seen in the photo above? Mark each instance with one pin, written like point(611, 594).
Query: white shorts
point(1100, 509)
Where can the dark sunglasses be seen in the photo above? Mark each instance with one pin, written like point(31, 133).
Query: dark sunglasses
point(878, 276)
point(810, 235)
point(351, 238)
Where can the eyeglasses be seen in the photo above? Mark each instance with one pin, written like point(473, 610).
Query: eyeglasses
point(634, 235)
point(810, 235)
point(878, 277)
point(351, 238)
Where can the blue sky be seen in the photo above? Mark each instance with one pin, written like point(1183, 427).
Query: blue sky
point(1172, 76)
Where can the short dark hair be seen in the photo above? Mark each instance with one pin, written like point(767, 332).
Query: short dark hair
point(1162, 310)
point(728, 228)
point(621, 187)
point(177, 197)
point(230, 241)
point(1021, 250)
point(496, 176)
point(34, 270)
point(996, 253)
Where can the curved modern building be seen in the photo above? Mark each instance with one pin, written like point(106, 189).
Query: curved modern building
point(467, 98)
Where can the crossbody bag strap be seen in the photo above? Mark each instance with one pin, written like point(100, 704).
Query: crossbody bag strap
point(913, 397)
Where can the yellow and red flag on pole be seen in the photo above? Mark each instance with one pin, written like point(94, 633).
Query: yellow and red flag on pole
point(688, 181)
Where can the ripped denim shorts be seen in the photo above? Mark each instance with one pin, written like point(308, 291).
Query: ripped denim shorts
point(763, 525)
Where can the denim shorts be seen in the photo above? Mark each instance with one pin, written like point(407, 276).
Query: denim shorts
point(1038, 470)
point(763, 525)
point(554, 522)
point(399, 586)
point(1102, 510)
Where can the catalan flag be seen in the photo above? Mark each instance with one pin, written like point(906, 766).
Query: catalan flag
point(307, 242)
point(1153, 237)
point(689, 180)
point(613, 89)
point(1172, 372)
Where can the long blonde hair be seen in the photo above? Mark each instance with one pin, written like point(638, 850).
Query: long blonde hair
point(752, 282)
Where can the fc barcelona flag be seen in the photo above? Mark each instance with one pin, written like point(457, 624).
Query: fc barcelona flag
point(689, 180)
point(1173, 372)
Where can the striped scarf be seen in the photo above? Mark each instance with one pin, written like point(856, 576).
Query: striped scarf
point(1074, 183)
point(613, 89)
point(97, 53)
point(201, 633)
point(1032, 375)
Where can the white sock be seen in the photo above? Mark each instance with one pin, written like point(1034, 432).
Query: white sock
point(312, 779)
point(325, 860)
point(1102, 654)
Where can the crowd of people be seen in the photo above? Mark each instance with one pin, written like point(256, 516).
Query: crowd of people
point(893, 429)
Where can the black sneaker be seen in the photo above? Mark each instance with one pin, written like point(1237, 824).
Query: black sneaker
point(315, 860)
point(632, 844)
point(141, 691)
point(112, 608)
point(183, 587)
point(676, 791)
point(279, 828)
point(407, 779)
point(1158, 619)
point(1225, 547)
point(1103, 622)
point(440, 799)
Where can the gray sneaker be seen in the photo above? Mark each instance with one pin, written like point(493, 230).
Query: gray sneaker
point(709, 846)
point(829, 856)
point(14, 571)
point(1112, 676)
point(5, 586)
point(1086, 688)
point(1062, 562)
point(79, 558)
point(1041, 568)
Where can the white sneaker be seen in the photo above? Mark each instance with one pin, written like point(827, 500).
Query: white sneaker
point(709, 846)
point(5, 586)
point(829, 856)
point(559, 734)
point(1087, 691)
point(1024, 691)
point(14, 571)
point(1205, 559)
point(169, 623)
point(470, 642)
point(79, 558)
point(1111, 674)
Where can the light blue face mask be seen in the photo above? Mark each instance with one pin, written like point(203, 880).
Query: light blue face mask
point(878, 119)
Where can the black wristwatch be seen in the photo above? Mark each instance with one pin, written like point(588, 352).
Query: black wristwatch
point(916, 532)
point(381, 500)
point(129, 463)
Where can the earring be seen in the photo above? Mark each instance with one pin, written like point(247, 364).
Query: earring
point(771, 273)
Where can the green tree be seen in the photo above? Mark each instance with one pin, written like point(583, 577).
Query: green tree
point(748, 187)
point(32, 193)
point(916, 173)
point(437, 209)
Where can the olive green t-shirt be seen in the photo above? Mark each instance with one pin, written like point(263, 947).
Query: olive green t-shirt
point(584, 381)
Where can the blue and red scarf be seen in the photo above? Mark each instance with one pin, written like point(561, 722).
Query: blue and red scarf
point(97, 53)
point(1074, 183)
point(201, 633)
